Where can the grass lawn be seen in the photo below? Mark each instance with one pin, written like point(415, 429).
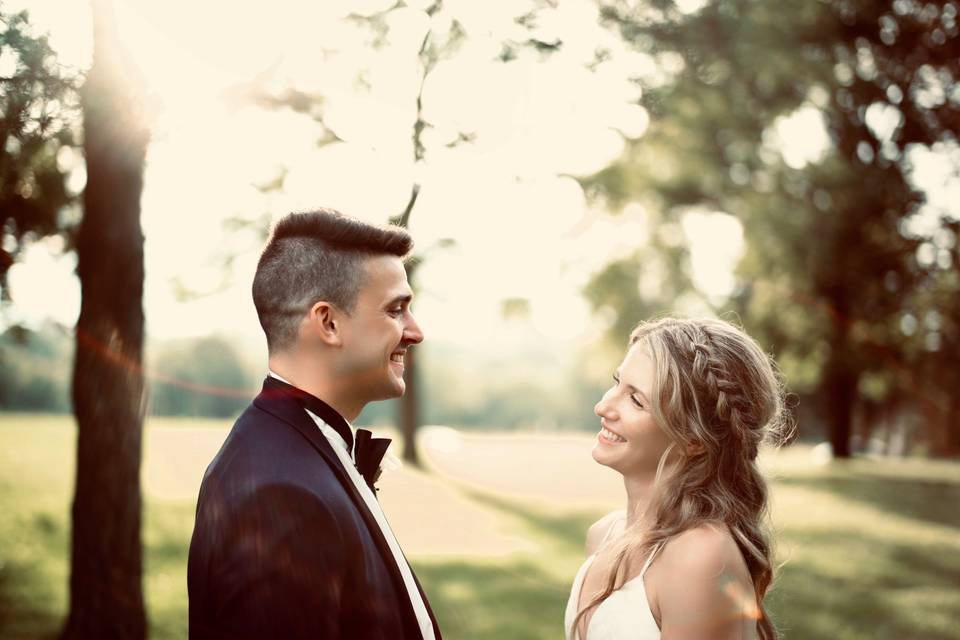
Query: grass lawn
point(871, 549)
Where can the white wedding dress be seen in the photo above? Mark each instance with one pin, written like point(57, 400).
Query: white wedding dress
point(624, 615)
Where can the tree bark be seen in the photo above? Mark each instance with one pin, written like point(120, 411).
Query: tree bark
point(410, 409)
point(953, 431)
point(840, 391)
point(106, 595)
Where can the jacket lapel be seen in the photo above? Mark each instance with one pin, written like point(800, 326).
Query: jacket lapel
point(426, 603)
point(285, 408)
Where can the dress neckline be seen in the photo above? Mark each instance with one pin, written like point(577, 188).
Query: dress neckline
point(585, 569)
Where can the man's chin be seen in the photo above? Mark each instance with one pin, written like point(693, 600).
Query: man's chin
point(397, 388)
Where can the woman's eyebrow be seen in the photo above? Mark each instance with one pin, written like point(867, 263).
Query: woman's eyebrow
point(633, 388)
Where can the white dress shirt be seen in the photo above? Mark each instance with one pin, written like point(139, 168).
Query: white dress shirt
point(339, 446)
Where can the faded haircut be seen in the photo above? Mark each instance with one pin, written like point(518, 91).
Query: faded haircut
point(313, 256)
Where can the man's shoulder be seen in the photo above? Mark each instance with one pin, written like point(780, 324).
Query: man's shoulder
point(263, 436)
point(262, 450)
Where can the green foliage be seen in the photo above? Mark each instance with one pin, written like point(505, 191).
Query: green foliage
point(830, 261)
point(533, 388)
point(935, 308)
point(200, 377)
point(193, 377)
point(34, 368)
point(646, 283)
point(38, 112)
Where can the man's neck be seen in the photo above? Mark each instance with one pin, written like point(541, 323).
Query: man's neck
point(316, 383)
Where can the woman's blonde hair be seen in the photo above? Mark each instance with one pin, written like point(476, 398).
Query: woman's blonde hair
point(718, 396)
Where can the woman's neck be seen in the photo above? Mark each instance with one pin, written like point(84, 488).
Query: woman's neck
point(640, 497)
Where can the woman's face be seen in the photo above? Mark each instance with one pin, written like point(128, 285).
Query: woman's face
point(630, 440)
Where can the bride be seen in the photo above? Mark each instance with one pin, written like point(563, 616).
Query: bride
point(688, 558)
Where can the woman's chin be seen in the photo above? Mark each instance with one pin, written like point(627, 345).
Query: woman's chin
point(601, 456)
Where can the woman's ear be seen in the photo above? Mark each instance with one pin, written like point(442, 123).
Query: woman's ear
point(326, 323)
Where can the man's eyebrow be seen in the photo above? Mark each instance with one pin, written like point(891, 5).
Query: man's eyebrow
point(404, 298)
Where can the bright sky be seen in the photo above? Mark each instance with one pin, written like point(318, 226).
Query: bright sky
point(522, 227)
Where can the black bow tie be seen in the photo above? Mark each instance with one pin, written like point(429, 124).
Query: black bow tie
point(368, 453)
point(367, 450)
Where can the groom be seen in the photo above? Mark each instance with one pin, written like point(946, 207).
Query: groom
point(290, 541)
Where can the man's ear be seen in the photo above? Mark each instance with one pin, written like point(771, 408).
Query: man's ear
point(325, 320)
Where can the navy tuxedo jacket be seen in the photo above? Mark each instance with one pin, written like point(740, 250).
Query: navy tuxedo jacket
point(284, 546)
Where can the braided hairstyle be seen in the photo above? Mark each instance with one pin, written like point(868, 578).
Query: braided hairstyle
point(717, 396)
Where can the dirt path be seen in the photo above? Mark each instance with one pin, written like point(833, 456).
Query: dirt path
point(431, 512)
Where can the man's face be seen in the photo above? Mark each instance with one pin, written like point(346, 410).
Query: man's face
point(376, 335)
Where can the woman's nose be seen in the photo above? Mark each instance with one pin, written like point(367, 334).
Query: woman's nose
point(604, 410)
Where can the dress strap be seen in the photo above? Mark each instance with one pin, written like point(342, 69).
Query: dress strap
point(656, 549)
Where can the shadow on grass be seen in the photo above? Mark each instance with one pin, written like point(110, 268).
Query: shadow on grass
point(895, 590)
point(27, 598)
point(22, 617)
point(566, 530)
point(496, 601)
point(166, 546)
point(808, 605)
point(502, 600)
point(904, 592)
point(933, 501)
point(34, 553)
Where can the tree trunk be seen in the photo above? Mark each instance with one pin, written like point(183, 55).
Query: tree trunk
point(106, 595)
point(410, 409)
point(953, 431)
point(950, 446)
point(839, 388)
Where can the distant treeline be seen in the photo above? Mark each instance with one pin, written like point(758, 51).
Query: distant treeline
point(35, 369)
point(192, 377)
point(210, 376)
point(536, 389)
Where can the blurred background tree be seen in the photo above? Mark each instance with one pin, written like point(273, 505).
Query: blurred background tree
point(108, 392)
point(200, 377)
point(834, 236)
point(39, 107)
point(34, 375)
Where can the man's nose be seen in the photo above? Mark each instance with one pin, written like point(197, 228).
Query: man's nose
point(411, 331)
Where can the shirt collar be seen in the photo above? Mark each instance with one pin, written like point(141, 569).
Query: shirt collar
point(315, 406)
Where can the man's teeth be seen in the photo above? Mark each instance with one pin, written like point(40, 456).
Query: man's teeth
point(397, 357)
point(610, 435)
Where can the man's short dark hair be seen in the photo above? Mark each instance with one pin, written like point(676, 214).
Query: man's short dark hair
point(313, 256)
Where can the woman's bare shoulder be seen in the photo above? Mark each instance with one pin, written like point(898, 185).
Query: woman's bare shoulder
point(705, 549)
point(702, 583)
